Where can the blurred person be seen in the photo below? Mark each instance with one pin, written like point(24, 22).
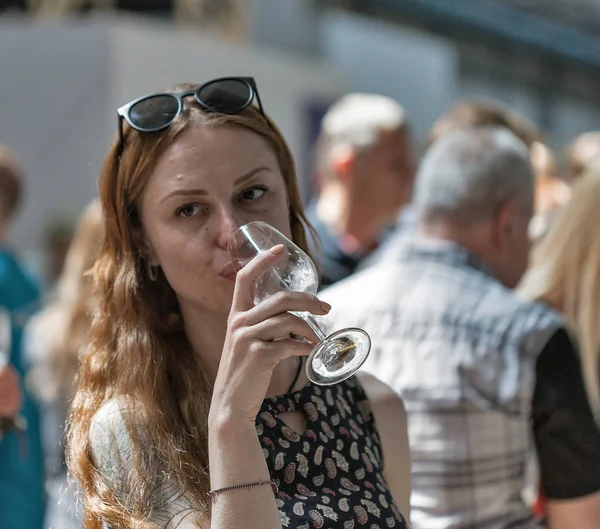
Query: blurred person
point(21, 461)
point(10, 392)
point(565, 275)
point(366, 169)
point(475, 364)
point(582, 154)
point(482, 113)
point(464, 114)
point(192, 408)
point(551, 192)
point(57, 239)
point(10, 388)
point(52, 342)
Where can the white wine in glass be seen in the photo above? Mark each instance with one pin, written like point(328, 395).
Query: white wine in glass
point(337, 356)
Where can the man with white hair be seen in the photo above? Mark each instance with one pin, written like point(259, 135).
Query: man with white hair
point(365, 168)
point(482, 373)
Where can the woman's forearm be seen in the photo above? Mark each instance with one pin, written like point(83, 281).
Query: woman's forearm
point(236, 458)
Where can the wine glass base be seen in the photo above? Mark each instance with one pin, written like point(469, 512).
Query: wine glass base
point(338, 356)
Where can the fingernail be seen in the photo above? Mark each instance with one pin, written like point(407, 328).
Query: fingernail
point(277, 249)
point(325, 306)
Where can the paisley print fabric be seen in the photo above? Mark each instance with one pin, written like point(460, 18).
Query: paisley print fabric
point(331, 476)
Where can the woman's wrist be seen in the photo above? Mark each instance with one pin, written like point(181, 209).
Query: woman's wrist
point(226, 421)
point(235, 453)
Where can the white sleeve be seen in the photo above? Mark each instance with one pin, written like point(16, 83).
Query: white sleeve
point(110, 442)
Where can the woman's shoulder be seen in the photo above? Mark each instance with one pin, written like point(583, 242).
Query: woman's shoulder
point(111, 416)
point(390, 419)
point(110, 438)
point(387, 409)
point(384, 400)
point(112, 452)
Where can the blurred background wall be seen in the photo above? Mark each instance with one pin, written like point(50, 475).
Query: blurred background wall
point(65, 66)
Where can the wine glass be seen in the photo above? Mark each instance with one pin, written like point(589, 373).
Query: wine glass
point(337, 356)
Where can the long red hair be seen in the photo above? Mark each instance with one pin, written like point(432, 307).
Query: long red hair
point(137, 345)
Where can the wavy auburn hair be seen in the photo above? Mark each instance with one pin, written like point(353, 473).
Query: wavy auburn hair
point(138, 348)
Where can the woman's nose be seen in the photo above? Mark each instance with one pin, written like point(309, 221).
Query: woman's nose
point(229, 225)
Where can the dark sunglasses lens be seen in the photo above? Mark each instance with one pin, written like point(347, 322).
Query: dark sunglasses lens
point(154, 112)
point(227, 97)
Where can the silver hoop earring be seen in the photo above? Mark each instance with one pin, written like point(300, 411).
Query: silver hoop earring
point(152, 272)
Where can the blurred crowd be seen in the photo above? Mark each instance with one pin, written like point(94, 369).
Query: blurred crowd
point(472, 262)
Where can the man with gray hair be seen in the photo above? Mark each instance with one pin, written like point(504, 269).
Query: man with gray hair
point(481, 372)
point(365, 168)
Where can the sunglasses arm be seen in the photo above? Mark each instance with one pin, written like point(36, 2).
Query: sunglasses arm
point(260, 107)
point(120, 129)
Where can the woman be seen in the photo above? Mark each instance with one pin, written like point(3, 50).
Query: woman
point(52, 343)
point(565, 274)
point(192, 408)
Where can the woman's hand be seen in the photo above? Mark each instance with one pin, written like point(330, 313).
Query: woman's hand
point(258, 338)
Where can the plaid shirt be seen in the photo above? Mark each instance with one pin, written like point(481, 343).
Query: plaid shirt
point(460, 349)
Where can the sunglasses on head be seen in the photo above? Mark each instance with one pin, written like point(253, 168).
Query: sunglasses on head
point(156, 112)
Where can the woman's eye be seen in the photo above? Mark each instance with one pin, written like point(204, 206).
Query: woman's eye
point(188, 210)
point(253, 193)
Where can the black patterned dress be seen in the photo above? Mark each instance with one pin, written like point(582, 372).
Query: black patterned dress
point(330, 476)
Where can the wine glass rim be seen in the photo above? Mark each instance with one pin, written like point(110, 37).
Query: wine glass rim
point(256, 223)
point(259, 223)
point(243, 230)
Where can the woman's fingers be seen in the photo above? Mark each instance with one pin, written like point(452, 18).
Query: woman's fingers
point(243, 295)
point(285, 302)
point(274, 352)
point(280, 327)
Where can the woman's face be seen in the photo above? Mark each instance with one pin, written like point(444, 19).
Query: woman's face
point(207, 184)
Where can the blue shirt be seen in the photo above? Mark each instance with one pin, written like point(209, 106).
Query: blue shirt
point(21, 460)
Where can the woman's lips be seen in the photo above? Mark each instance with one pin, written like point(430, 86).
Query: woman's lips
point(229, 273)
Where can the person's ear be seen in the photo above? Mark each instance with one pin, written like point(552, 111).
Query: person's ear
point(503, 226)
point(151, 256)
point(145, 248)
point(342, 160)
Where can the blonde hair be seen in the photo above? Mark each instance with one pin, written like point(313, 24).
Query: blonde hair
point(583, 153)
point(565, 274)
point(551, 192)
point(138, 348)
point(65, 322)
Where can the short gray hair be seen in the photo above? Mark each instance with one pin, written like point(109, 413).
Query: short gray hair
point(357, 120)
point(469, 174)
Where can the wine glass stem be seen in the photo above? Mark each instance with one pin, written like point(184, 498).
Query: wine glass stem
point(309, 318)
